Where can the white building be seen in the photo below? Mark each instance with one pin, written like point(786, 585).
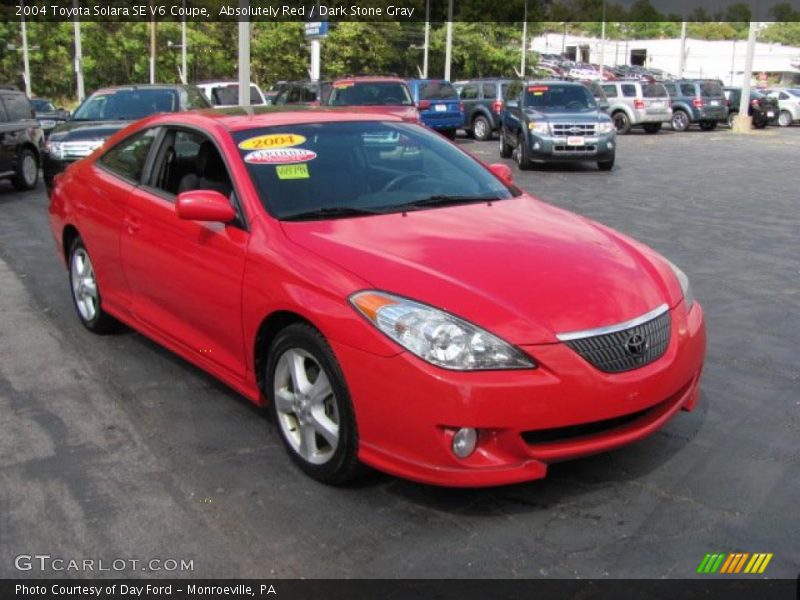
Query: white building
point(722, 60)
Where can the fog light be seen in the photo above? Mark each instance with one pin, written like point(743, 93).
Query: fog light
point(464, 442)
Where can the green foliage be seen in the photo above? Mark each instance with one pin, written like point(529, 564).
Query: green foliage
point(782, 33)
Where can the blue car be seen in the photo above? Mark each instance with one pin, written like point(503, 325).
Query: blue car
point(439, 106)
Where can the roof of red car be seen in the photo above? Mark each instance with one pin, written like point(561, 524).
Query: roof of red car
point(238, 118)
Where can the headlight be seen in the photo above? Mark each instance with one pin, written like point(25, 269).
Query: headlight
point(605, 127)
point(438, 337)
point(686, 287)
point(54, 149)
point(542, 127)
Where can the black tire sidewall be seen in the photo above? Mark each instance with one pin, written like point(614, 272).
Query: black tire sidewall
point(102, 321)
point(683, 119)
point(487, 129)
point(19, 178)
point(344, 464)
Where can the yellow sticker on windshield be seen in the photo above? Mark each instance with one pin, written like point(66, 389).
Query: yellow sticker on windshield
point(292, 171)
point(274, 140)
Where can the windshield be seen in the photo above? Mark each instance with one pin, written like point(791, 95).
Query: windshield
point(383, 93)
point(126, 105)
point(557, 97)
point(437, 90)
point(229, 95)
point(324, 170)
point(43, 106)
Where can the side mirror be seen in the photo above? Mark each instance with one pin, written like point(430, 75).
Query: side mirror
point(503, 172)
point(512, 104)
point(204, 205)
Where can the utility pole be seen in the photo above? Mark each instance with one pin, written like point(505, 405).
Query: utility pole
point(152, 51)
point(244, 55)
point(78, 55)
point(25, 62)
point(427, 38)
point(603, 43)
point(448, 50)
point(742, 122)
point(184, 74)
point(524, 38)
point(682, 57)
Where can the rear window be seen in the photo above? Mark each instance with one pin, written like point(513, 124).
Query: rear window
point(437, 90)
point(710, 88)
point(126, 105)
point(379, 93)
point(654, 90)
point(229, 94)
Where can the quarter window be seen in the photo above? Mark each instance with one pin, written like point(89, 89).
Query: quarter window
point(687, 89)
point(628, 90)
point(127, 158)
point(489, 91)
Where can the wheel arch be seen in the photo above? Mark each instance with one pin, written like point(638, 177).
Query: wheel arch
point(32, 147)
point(68, 235)
point(270, 327)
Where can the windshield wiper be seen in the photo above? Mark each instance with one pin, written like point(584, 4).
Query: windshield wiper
point(442, 200)
point(332, 212)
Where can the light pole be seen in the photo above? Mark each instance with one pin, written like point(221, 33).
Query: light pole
point(524, 38)
point(184, 74)
point(78, 55)
point(244, 55)
point(603, 43)
point(25, 61)
point(448, 49)
point(427, 38)
point(742, 122)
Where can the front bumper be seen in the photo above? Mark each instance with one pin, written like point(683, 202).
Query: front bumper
point(407, 411)
point(547, 148)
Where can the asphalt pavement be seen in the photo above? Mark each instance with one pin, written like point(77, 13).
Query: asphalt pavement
point(113, 448)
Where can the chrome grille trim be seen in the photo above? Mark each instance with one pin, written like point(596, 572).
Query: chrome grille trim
point(585, 333)
point(563, 129)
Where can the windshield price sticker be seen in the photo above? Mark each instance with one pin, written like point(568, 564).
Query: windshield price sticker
point(280, 156)
point(298, 171)
point(344, 84)
point(538, 90)
point(275, 140)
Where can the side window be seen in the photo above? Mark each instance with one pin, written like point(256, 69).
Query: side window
point(196, 99)
point(187, 161)
point(514, 91)
point(17, 107)
point(504, 90)
point(309, 93)
point(469, 92)
point(783, 96)
point(687, 89)
point(294, 95)
point(610, 90)
point(489, 91)
point(127, 158)
point(628, 90)
point(671, 90)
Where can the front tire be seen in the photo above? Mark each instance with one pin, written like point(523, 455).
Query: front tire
point(482, 129)
point(521, 154)
point(86, 293)
point(622, 122)
point(27, 172)
point(311, 405)
point(505, 149)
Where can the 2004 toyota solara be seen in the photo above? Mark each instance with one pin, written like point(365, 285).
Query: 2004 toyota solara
point(395, 302)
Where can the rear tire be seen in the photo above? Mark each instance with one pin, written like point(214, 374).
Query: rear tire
point(27, 171)
point(505, 149)
point(708, 125)
point(481, 128)
point(652, 127)
point(310, 404)
point(86, 292)
point(785, 118)
point(622, 122)
point(680, 121)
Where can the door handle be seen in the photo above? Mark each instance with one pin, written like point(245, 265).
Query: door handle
point(131, 225)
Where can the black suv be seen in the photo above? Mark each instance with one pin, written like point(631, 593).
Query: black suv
point(483, 103)
point(699, 101)
point(761, 108)
point(107, 111)
point(21, 139)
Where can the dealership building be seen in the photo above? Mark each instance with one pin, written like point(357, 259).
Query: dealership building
point(722, 60)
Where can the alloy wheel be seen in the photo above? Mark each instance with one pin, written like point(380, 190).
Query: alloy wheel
point(84, 284)
point(29, 169)
point(306, 406)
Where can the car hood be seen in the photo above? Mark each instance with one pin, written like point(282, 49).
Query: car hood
point(521, 268)
point(86, 130)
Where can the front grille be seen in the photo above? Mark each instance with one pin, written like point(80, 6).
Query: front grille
point(564, 129)
point(625, 349)
point(571, 432)
point(75, 150)
point(564, 148)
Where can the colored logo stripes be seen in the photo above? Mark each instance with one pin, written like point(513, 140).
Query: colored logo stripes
point(737, 562)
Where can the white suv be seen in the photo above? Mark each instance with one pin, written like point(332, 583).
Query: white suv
point(226, 93)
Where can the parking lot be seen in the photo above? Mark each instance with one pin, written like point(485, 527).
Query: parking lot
point(129, 452)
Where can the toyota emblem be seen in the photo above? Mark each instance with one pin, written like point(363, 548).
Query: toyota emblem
point(636, 345)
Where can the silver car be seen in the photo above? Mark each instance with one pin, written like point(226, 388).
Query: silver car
point(637, 104)
point(788, 104)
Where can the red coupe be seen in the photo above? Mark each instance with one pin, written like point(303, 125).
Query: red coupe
point(394, 301)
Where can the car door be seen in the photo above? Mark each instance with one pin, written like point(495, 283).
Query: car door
point(186, 275)
point(512, 115)
point(6, 155)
